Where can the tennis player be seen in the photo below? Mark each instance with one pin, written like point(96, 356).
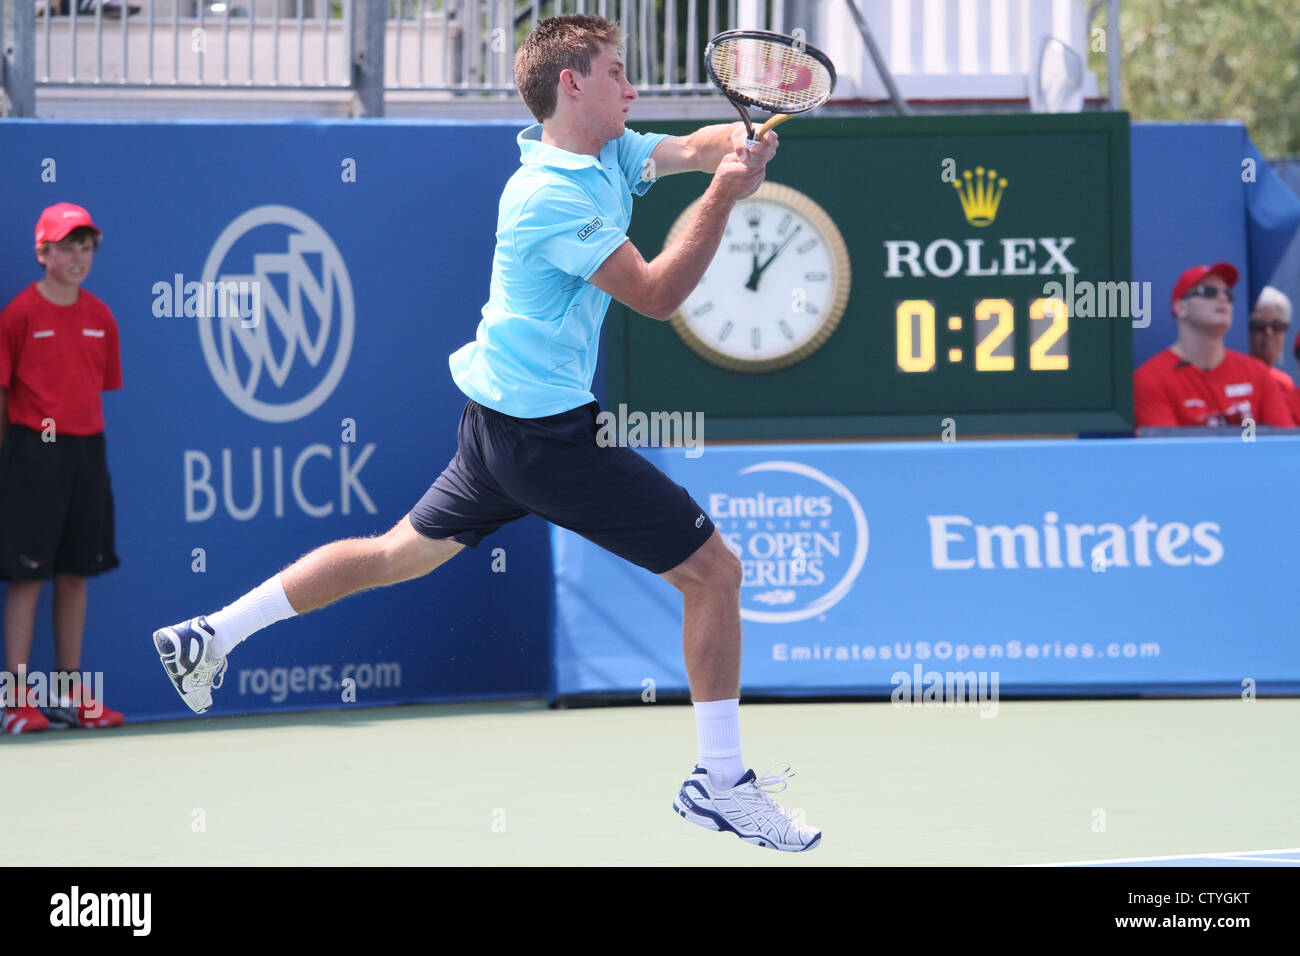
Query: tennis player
point(527, 437)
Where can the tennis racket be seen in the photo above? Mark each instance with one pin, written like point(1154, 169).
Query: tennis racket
point(768, 71)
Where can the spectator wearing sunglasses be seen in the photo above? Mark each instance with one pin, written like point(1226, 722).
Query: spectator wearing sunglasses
point(1268, 324)
point(1197, 381)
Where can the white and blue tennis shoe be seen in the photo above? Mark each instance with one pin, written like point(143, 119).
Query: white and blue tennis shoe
point(747, 810)
point(190, 661)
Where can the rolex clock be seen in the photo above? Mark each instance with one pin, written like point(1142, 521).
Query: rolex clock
point(992, 291)
point(775, 290)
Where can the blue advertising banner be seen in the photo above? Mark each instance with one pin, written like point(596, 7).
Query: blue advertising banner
point(287, 296)
point(365, 249)
point(1037, 567)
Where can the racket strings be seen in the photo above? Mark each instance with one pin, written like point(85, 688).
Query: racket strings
point(771, 76)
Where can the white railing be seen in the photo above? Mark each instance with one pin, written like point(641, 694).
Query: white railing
point(436, 45)
point(263, 44)
point(939, 50)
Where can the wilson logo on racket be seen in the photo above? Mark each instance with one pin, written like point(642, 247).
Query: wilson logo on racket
point(768, 71)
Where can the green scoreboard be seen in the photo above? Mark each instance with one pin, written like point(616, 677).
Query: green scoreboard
point(893, 274)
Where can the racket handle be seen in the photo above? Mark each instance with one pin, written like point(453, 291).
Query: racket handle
point(776, 120)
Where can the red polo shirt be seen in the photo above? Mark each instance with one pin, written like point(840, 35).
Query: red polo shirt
point(56, 359)
point(1168, 391)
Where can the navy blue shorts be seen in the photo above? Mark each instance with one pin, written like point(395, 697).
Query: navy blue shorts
point(552, 467)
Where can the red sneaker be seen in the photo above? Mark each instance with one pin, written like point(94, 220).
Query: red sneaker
point(90, 713)
point(81, 710)
point(24, 720)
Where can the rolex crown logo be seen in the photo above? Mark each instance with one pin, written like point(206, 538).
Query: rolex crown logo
point(980, 195)
point(754, 217)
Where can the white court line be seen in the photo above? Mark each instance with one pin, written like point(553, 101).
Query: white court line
point(1221, 854)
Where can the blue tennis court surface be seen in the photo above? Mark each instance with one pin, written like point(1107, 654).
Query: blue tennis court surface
point(1239, 858)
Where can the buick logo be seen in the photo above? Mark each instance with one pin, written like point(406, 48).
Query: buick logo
point(284, 361)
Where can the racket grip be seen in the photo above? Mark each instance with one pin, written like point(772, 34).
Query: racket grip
point(776, 120)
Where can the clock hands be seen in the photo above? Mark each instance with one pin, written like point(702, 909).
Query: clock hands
point(758, 270)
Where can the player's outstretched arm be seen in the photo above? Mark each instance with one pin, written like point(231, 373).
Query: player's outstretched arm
point(659, 287)
point(704, 149)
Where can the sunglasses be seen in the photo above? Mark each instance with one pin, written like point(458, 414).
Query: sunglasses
point(1259, 325)
point(1209, 292)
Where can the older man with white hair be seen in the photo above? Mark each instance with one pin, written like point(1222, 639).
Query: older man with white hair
point(1268, 325)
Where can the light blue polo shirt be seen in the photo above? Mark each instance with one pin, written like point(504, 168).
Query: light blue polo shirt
point(561, 215)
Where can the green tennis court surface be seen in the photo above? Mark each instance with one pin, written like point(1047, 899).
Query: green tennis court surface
point(503, 783)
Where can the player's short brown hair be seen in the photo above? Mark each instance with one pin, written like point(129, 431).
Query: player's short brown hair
point(555, 45)
point(81, 232)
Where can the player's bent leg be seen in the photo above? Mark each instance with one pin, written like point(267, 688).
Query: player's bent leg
point(710, 581)
point(712, 565)
point(411, 554)
point(615, 498)
point(461, 507)
point(194, 652)
point(710, 584)
point(342, 568)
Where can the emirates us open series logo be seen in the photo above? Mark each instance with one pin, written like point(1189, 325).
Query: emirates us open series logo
point(283, 363)
point(800, 534)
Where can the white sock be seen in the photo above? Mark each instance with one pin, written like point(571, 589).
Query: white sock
point(717, 723)
point(259, 608)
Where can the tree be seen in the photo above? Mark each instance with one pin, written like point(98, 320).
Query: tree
point(1188, 60)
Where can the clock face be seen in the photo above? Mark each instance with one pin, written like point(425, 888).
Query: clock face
point(776, 288)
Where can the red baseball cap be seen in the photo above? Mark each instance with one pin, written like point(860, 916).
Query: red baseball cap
point(60, 219)
point(1193, 276)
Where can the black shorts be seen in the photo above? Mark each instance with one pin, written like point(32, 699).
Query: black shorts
point(56, 506)
point(552, 467)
